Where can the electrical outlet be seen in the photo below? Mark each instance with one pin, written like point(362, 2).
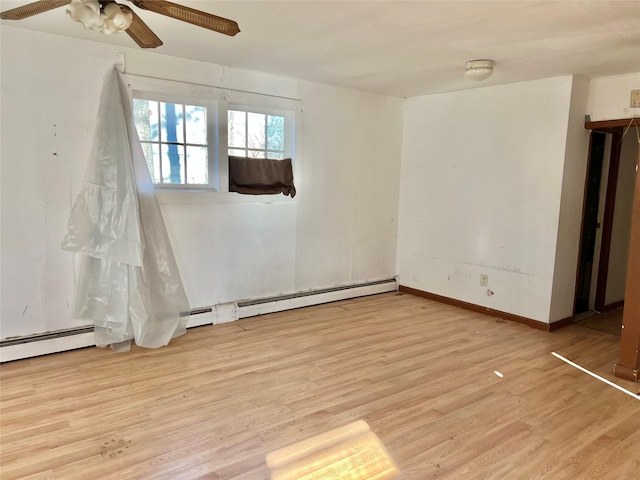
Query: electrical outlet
point(484, 280)
point(635, 98)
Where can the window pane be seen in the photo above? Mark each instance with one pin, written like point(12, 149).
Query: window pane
point(172, 122)
point(155, 151)
point(197, 165)
point(145, 114)
point(237, 127)
point(172, 164)
point(174, 140)
point(256, 130)
point(196, 118)
point(152, 155)
point(237, 152)
point(275, 133)
point(275, 155)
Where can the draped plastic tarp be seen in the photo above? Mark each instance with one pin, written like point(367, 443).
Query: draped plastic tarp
point(129, 285)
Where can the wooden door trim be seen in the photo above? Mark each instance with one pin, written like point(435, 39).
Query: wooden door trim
point(629, 363)
point(608, 125)
point(584, 208)
point(607, 222)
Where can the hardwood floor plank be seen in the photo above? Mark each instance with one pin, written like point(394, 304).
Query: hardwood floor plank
point(216, 401)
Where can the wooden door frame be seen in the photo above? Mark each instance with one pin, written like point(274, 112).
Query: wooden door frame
point(629, 363)
point(582, 227)
point(607, 223)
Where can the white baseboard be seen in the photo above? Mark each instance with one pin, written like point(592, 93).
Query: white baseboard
point(221, 313)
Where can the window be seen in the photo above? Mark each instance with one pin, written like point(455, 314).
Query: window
point(176, 142)
point(189, 131)
point(256, 134)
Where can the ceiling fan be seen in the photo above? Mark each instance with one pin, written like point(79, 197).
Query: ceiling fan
point(109, 16)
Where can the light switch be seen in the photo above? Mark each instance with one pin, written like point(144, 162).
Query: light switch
point(635, 98)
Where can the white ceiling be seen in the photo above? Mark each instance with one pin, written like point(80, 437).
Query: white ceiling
point(394, 47)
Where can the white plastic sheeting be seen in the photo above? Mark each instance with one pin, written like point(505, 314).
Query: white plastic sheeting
point(129, 285)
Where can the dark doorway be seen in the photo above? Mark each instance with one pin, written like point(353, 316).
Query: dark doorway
point(629, 365)
point(590, 221)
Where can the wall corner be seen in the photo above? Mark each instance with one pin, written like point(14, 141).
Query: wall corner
point(571, 203)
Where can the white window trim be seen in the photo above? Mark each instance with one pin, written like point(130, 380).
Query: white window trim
point(223, 98)
point(213, 135)
point(289, 123)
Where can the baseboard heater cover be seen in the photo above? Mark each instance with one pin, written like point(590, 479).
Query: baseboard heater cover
point(46, 344)
point(313, 292)
point(39, 337)
point(70, 339)
point(262, 306)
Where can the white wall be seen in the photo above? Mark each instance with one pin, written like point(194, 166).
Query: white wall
point(610, 97)
point(481, 181)
point(621, 229)
point(571, 205)
point(340, 229)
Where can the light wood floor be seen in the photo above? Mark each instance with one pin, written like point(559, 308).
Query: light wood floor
point(217, 400)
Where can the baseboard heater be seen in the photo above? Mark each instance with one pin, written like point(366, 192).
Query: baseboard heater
point(72, 338)
point(39, 337)
point(323, 291)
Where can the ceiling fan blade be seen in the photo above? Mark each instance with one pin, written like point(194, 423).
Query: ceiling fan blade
point(190, 15)
point(140, 31)
point(32, 9)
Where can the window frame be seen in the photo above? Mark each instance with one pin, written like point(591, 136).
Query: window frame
point(217, 191)
point(288, 124)
point(213, 132)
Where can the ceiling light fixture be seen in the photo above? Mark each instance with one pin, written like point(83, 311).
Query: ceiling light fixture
point(108, 18)
point(479, 69)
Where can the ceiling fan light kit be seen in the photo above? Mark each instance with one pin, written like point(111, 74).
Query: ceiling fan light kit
point(86, 12)
point(109, 17)
point(479, 70)
point(116, 19)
